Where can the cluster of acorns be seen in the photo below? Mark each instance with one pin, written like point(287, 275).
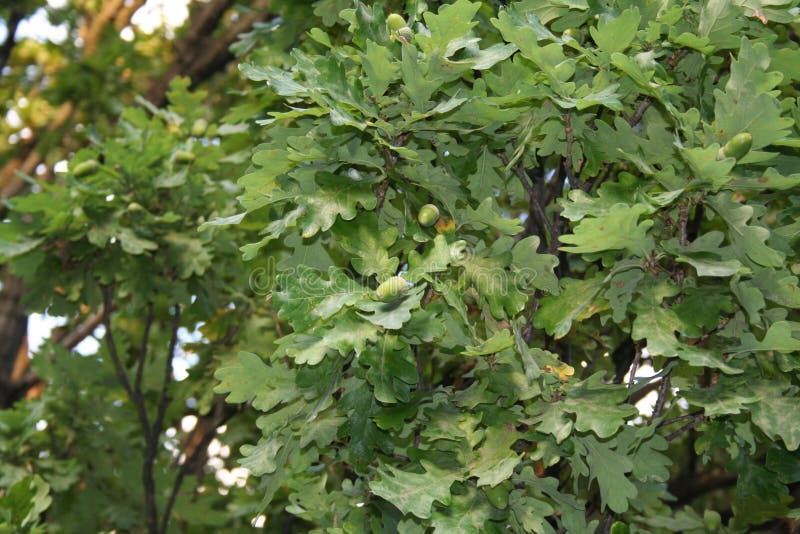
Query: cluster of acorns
point(398, 28)
point(397, 286)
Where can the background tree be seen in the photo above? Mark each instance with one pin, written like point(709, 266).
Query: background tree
point(599, 331)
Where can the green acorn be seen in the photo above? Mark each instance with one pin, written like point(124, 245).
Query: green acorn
point(737, 147)
point(184, 156)
point(199, 127)
point(405, 34)
point(85, 168)
point(712, 520)
point(394, 22)
point(428, 215)
point(392, 288)
point(498, 495)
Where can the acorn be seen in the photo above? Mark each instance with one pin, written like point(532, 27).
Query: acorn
point(184, 156)
point(394, 22)
point(405, 34)
point(428, 215)
point(85, 168)
point(392, 288)
point(738, 146)
point(199, 127)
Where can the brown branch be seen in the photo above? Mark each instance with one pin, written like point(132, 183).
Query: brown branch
point(574, 183)
point(148, 323)
point(124, 15)
point(678, 419)
point(663, 390)
point(634, 119)
point(683, 220)
point(12, 24)
point(151, 512)
point(164, 398)
point(85, 329)
point(696, 420)
point(200, 53)
point(221, 414)
point(634, 366)
point(380, 194)
point(536, 208)
point(608, 520)
point(420, 371)
point(702, 339)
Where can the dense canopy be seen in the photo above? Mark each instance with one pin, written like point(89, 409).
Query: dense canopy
point(448, 267)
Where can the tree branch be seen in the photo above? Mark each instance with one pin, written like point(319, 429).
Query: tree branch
point(164, 398)
point(634, 366)
point(12, 24)
point(148, 322)
point(574, 183)
point(200, 52)
point(72, 339)
point(151, 513)
point(634, 119)
point(695, 420)
point(663, 390)
point(678, 419)
point(221, 414)
point(536, 208)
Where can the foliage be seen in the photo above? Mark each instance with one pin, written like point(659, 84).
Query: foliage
point(590, 227)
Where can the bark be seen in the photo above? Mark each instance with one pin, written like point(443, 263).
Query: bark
point(11, 26)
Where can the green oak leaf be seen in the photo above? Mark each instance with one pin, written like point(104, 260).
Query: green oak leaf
point(658, 326)
point(343, 335)
point(616, 230)
point(467, 514)
point(575, 302)
point(253, 380)
point(414, 493)
point(778, 338)
point(361, 238)
point(390, 370)
point(609, 467)
point(501, 340)
point(598, 407)
point(494, 460)
point(534, 269)
point(488, 215)
point(392, 315)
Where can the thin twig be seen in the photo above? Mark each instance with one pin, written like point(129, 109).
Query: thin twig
point(426, 299)
point(608, 520)
point(164, 398)
point(189, 462)
point(151, 513)
point(634, 119)
point(634, 367)
point(683, 220)
point(72, 339)
point(11, 31)
point(678, 419)
point(663, 389)
point(573, 180)
point(380, 194)
point(148, 323)
point(702, 339)
point(537, 210)
point(696, 420)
